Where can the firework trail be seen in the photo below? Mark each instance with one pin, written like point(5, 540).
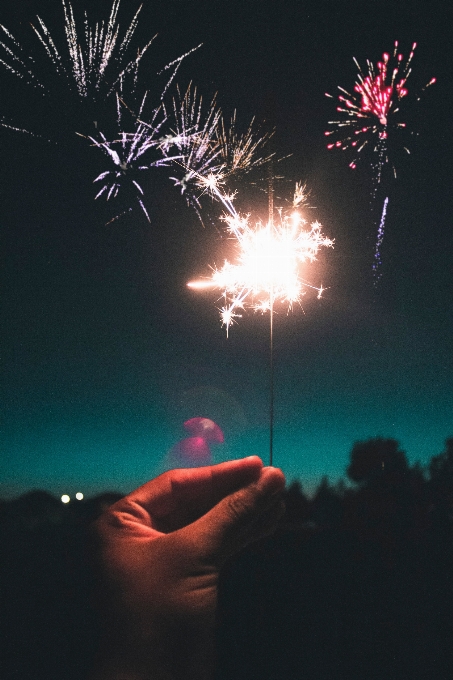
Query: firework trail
point(380, 236)
point(371, 119)
point(269, 260)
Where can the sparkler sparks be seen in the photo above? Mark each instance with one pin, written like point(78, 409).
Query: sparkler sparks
point(267, 269)
point(269, 262)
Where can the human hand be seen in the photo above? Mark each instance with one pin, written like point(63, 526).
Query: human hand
point(161, 550)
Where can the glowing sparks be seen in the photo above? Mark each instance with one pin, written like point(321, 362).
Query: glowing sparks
point(189, 143)
point(369, 115)
point(95, 64)
point(97, 59)
point(194, 135)
point(87, 81)
point(240, 153)
point(212, 154)
point(270, 264)
point(131, 154)
point(380, 237)
point(371, 118)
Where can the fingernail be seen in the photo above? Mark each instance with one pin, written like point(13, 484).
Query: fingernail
point(271, 482)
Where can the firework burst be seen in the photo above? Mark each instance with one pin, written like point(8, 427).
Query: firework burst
point(371, 118)
point(371, 115)
point(212, 154)
point(87, 81)
point(132, 153)
point(241, 152)
point(194, 133)
point(93, 64)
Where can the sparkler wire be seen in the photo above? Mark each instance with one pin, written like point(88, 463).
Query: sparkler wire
point(271, 325)
point(271, 382)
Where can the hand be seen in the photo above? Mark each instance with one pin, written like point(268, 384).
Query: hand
point(161, 550)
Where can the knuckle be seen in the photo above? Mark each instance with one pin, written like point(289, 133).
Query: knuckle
point(240, 506)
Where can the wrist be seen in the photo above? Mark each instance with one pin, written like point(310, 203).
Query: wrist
point(173, 656)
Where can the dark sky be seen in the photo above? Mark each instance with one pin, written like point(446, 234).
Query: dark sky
point(105, 351)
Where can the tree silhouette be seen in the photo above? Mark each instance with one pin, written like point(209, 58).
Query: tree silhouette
point(297, 504)
point(441, 481)
point(441, 466)
point(326, 506)
point(378, 462)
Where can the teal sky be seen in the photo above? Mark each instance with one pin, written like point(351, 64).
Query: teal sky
point(106, 352)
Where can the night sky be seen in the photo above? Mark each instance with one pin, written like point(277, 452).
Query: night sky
point(105, 352)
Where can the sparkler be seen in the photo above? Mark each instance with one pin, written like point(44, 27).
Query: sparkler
point(371, 119)
point(268, 266)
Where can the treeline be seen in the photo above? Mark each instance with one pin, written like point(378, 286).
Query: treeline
point(357, 583)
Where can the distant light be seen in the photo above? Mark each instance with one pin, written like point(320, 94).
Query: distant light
point(65, 498)
point(79, 496)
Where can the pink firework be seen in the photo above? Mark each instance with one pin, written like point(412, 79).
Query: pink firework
point(368, 115)
point(372, 117)
point(377, 96)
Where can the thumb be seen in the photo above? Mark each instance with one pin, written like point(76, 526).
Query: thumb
point(242, 517)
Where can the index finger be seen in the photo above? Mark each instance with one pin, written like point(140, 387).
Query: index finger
point(195, 488)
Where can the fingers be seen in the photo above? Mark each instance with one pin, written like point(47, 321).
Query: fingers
point(195, 489)
point(243, 516)
point(216, 483)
